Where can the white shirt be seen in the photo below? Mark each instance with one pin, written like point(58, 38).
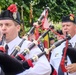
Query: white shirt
point(57, 55)
point(41, 67)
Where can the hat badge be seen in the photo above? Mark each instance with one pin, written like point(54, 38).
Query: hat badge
point(71, 18)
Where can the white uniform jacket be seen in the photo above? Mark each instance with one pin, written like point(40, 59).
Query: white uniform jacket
point(41, 67)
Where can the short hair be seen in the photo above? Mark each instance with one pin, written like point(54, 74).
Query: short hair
point(51, 38)
point(60, 32)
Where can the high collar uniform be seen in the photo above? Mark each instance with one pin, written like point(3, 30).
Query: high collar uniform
point(56, 55)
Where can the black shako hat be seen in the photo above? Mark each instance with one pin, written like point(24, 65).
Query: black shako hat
point(69, 18)
point(11, 13)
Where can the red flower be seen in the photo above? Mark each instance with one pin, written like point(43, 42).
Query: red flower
point(12, 8)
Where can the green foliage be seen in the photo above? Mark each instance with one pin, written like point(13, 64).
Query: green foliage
point(58, 8)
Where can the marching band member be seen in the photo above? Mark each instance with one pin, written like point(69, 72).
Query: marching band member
point(52, 41)
point(61, 35)
point(69, 26)
point(10, 26)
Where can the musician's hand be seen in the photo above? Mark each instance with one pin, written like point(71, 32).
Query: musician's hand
point(71, 68)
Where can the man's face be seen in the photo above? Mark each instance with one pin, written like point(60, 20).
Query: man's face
point(69, 27)
point(52, 42)
point(9, 28)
